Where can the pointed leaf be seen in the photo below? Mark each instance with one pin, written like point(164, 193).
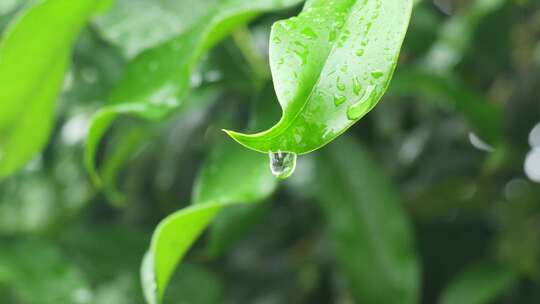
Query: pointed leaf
point(33, 60)
point(373, 237)
point(481, 283)
point(232, 175)
point(158, 80)
point(330, 65)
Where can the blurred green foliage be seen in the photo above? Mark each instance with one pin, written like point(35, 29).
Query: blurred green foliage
point(433, 197)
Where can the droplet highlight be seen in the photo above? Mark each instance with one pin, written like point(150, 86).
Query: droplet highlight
point(282, 164)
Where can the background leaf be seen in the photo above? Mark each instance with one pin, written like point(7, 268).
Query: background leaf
point(33, 60)
point(218, 185)
point(481, 283)
point(30, 278)
point(373, 237)
point(137, 25)
point(484, 116)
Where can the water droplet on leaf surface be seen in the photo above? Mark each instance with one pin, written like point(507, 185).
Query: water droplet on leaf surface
point(309, 33)
point(339, 99)
point(282, 164)
point(357, 86)
point(340, 85)
point(359, 108)
point(377, 74)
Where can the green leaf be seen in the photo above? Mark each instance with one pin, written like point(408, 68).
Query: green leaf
point(373, 237)
point(105, 177)
point(137, 25)
point(7, 6)
point(232, 175)
point(481, 283)
point(38, 272)
point(330, 66)
point(33, 61)
point(484, 116)
point(194, 284)
point(457, 34)
point(157, 81)
point(231, 225)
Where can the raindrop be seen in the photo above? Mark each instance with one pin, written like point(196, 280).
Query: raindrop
point(357, 86)
point(303, 53)
point(377, 74)
point(282, 164)
point(309, 33)
point(339, 99)
point(356, 110)
point(360, 53)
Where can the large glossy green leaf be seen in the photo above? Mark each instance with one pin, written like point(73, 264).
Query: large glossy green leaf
point(330, 66)
point(136, 25)
point(33, 60)
point(232, 175)
point(158, 80)
point(373, 237)
point(481, 283)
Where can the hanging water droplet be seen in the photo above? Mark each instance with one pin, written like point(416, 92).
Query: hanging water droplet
point(282, 164)
point(339, 99)
point(360, 53)
point(359, 108)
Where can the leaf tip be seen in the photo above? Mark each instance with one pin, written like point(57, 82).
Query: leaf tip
point(244, 139)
